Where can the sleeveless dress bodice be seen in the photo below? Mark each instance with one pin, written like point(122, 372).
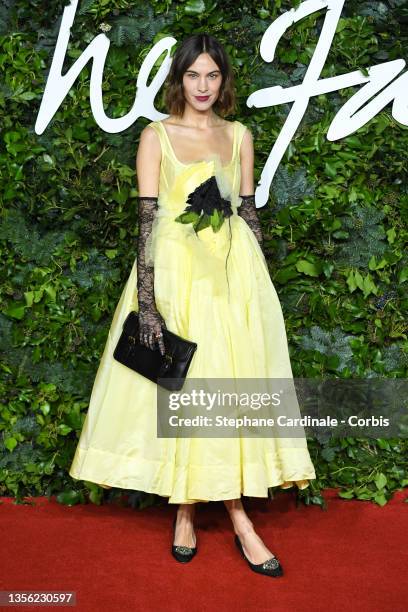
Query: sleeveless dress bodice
point(177, 179)
point(207, 250)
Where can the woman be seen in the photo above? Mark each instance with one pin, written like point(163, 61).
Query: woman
point(208, 285)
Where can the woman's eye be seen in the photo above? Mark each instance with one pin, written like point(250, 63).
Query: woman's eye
point(212, 76)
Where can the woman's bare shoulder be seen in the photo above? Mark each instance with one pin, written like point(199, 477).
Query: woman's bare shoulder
point(149, 143)
point(149, 134)
point(243, 125)
point(150, 128)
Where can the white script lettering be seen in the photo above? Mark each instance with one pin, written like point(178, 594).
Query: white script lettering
point(355, 113)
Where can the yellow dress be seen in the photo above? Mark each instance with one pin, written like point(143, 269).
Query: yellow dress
point(236, 320)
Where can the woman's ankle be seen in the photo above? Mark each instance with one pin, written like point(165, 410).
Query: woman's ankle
point(244, 528)
point(240, 520)
point(186, 513)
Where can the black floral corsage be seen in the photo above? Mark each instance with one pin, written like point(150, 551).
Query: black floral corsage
point(206, 207)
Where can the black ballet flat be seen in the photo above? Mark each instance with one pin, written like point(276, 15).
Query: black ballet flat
point(270, 567)
point(183, 554)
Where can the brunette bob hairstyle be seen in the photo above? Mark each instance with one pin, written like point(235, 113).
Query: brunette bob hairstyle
point(186, 55)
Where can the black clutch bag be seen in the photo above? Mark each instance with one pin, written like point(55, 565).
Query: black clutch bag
point(168, 370)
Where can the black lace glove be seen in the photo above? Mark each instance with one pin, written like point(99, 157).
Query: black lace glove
point(247, 210)
point(150, 320)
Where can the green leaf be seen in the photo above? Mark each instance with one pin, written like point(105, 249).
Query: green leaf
point(330, 170)
point(216, 220)
point(194, 7)
point(29, 297)
point(341, 235)
point(289, 56)
point(328, 453)
point(380, 498)
point(352, 141)
point(359, 280)
point(369, 286)
point(48, 159)
point(80, 133)
point(346, 494)
point(380, 480)
point(51, 292)
point(351, 282)
point(73, 419)
point(95, 492)
point(63, 429)
point(381, 443)
point(15, 311)
point(403, 275)
point(10, 443)
point(38, 294)
point(187, 217)
point(49, 467)
point(45, 408)
point(27, 95)
point(202, 223)
point(327, 269)
point(391, 235)
point(68, 497)
point(285, 274)
point(307, 267)
point(126, 171)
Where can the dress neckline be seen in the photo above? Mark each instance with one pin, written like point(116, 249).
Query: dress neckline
point(200, 161)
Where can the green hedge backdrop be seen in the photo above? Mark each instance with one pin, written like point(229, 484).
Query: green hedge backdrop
point(335, 225)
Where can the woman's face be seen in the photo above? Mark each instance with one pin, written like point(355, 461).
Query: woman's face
point(202, 82)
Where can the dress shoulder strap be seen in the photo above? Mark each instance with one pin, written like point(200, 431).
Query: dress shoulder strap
point(155, 125)
point(158, 128)
point(240, 129)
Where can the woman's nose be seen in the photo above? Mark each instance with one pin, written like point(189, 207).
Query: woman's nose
point(202, 86)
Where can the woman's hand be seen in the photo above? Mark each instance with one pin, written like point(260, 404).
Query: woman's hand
point(150, 328)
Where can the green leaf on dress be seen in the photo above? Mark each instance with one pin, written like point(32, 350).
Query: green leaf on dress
point(217, 219)
point(187, 217)
point(202, 223)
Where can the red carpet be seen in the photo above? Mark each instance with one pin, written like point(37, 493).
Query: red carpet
point(351, 557)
